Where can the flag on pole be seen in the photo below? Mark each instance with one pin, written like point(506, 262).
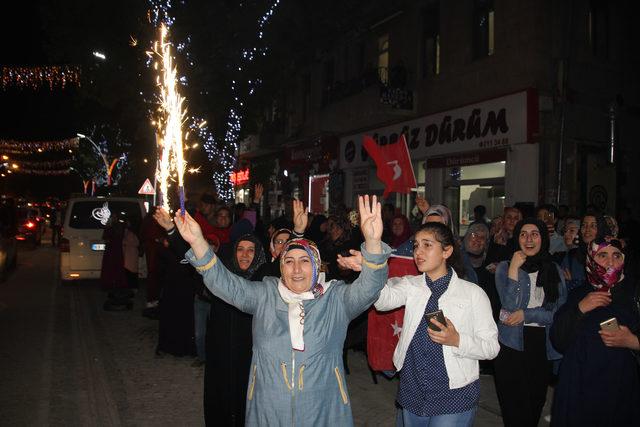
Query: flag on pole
point(393, 165)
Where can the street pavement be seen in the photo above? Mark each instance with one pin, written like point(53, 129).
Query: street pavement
point(66, 362)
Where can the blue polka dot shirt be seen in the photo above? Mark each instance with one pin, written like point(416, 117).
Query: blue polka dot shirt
point(424, 382)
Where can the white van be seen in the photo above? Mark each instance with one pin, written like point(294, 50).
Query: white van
point(81, 246)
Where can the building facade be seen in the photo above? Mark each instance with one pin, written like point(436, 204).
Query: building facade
point(501, 102)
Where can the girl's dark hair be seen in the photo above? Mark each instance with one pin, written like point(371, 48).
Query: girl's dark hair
point(445, 237)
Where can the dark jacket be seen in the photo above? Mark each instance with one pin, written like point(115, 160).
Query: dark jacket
point(597, 385)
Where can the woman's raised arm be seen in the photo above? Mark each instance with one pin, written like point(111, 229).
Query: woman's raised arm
point(235, 290)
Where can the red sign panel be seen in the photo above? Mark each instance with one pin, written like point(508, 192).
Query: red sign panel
point(239, 177)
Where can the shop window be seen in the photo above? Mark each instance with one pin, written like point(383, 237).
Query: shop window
point(483, 29)
point(431, 39)
point(469, 186)
point(383, 58)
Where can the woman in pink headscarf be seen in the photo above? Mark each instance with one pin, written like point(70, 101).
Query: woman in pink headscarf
point(599, 380)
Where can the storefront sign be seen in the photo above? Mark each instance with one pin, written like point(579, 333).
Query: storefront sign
point(239, 177)
point(322, 151)
point(499, 122)
point(476, 158)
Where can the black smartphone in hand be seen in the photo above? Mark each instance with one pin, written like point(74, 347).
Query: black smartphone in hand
point(439, 316)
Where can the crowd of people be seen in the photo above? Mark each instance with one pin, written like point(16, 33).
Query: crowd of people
point(536, 298)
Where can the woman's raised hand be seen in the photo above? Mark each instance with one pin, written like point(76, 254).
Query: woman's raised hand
point(371, 223)
point(353, 262)
point(300, 217)
point(163, 218)
point(422, 204)
point(188, 227)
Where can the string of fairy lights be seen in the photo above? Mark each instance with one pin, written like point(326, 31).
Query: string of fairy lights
point(224, 153)
point(10, 164)
point(36, 77)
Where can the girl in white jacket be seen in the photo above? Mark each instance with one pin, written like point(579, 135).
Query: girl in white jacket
point(439, 374)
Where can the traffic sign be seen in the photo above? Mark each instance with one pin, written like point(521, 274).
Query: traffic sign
point(147, 188)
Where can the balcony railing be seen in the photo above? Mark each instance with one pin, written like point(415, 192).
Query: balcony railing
point(389, 78)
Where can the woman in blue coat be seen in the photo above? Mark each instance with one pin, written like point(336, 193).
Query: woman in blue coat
point(299, 324)
point(531, 289)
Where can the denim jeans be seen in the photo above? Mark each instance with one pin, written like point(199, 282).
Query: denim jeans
point(201, 309)
point(462, 419)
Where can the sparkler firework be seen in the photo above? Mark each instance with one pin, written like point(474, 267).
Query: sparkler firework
point(169, 123)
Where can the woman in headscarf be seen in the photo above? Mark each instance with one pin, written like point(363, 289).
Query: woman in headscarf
point(531, 290)
point(441, 213)
point(599, 382)
point(299, 324)
point(475, 245)
point(228, 353)
point(276, 243)
point(592, 227)
point(400, 230)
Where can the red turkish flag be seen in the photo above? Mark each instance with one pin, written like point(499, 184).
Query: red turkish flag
point(384, 328)
point(394, 165)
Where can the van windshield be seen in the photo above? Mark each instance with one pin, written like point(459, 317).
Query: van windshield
point(95, 214)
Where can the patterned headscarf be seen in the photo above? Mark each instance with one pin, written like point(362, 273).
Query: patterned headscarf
point(312, 250)
point(601, 278)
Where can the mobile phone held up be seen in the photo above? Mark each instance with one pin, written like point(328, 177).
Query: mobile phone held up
point(439, 316)
point(610, 325)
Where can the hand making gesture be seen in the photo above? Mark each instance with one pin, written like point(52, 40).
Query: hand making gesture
point(163, 218)
point(353, 262)
point(258, 190)
point(422, 204)
point(300, 217)
point(371, 223)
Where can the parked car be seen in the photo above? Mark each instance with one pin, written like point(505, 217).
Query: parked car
point(81, 245)
point(8, 244)
point(31, 225)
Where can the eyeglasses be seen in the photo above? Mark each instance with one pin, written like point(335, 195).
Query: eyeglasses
point(279, 242)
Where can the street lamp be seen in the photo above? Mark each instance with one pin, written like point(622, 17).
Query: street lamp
point(104, 158)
